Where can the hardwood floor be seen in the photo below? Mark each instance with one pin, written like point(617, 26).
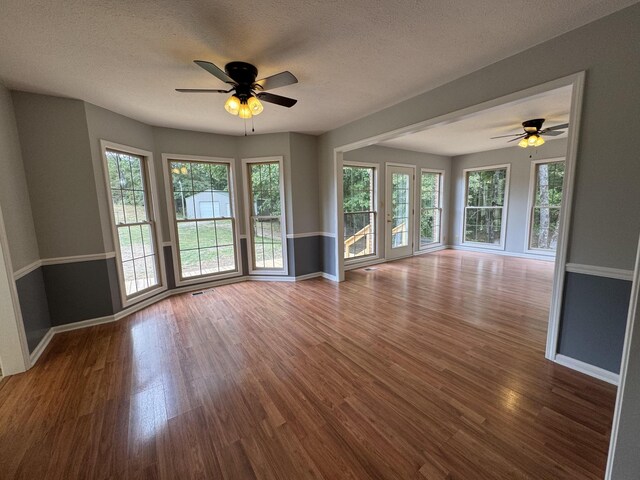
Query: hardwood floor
point(431, 367)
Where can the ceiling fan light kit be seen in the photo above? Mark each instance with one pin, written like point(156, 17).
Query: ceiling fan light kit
point(533, 132)
point(247, 91)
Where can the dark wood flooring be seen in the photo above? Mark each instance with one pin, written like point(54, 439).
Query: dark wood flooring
point(431, 367)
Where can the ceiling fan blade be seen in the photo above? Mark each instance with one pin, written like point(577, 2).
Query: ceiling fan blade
point(276, 81)
point(551, 133)
point(504, 136)
point(518, 138)
point(201, 90)
point(557, 127)
point(215, 71)
point(277, 99)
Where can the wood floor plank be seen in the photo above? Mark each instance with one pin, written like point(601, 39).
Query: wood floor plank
point(430, 367)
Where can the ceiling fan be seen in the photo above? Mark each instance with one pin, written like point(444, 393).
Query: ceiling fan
point(247, 91)
point(533, 131)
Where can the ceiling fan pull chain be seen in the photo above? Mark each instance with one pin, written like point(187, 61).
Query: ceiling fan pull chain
point(245, 127)
point(252, 128)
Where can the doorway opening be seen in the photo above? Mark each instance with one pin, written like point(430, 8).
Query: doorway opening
point(469, 204)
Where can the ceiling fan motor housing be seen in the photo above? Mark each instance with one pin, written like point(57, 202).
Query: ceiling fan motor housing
point(533, 126)
point(244, 74)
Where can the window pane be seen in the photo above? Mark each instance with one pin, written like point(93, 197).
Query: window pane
point(484, 202)
point(483, 225)
point(429, 226)
point(545, 219)
point(209, 260)
point(400, 210)
point(546, 222)
point(266, 221)
point(359, 211)
point(430, 208)
point(201, 193)
point(267, 235)
point(187, 235)
point(130, 207)
point(190, 263)
point(265, 189)
point(486, 188)
point(359, 234)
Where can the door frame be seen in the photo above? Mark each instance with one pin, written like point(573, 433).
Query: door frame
point(576, 82)
point(14, 351)
point(412, 213)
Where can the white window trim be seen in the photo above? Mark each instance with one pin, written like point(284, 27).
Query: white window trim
point(530, 205)
point(147, 158)
point(247, 208)
point(377, 178)
point(418, 187)
point(503, 230)
point(166, 158)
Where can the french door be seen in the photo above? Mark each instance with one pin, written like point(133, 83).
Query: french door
point(399, 211)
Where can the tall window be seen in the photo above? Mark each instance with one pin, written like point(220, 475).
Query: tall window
point(358, 183)
point(204, 218)
point(545, 211)
point(133, 222)
point(430, 208)
point(485, 199)
point(266, 216)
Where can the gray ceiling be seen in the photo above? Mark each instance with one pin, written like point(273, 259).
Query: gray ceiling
point(352, 57)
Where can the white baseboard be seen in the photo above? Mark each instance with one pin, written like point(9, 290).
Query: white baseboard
point(363, 263)
point(588, 369)
point(328, 276)
point(35, 355)
point(494, 251)
point(431, 249)
point(300, 278)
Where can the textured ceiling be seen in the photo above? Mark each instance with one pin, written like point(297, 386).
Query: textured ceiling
point(352, 57)
point(473, 133)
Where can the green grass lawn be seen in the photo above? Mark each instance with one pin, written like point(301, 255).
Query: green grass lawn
point(205, 244)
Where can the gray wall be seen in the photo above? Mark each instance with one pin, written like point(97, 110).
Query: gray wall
point(520, 160)
point(304, 183)
point(103, 124)
point(608, 166)
point(14, 195)
point(382, 155)
point(34, 306)
point(594, 318)
point(57, 160)
point(626, 461)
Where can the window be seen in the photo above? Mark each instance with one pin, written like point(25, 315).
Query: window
point(430, 208)
point(205, 224)
point(266, 216)
point(359, 207)
point(133, 221)
point(485, 200)
point(544, 217)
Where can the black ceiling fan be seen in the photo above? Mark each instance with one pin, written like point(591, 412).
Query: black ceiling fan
point(533, 132)
point(242, 78)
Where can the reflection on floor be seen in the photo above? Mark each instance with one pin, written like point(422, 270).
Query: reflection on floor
point(431, 367)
